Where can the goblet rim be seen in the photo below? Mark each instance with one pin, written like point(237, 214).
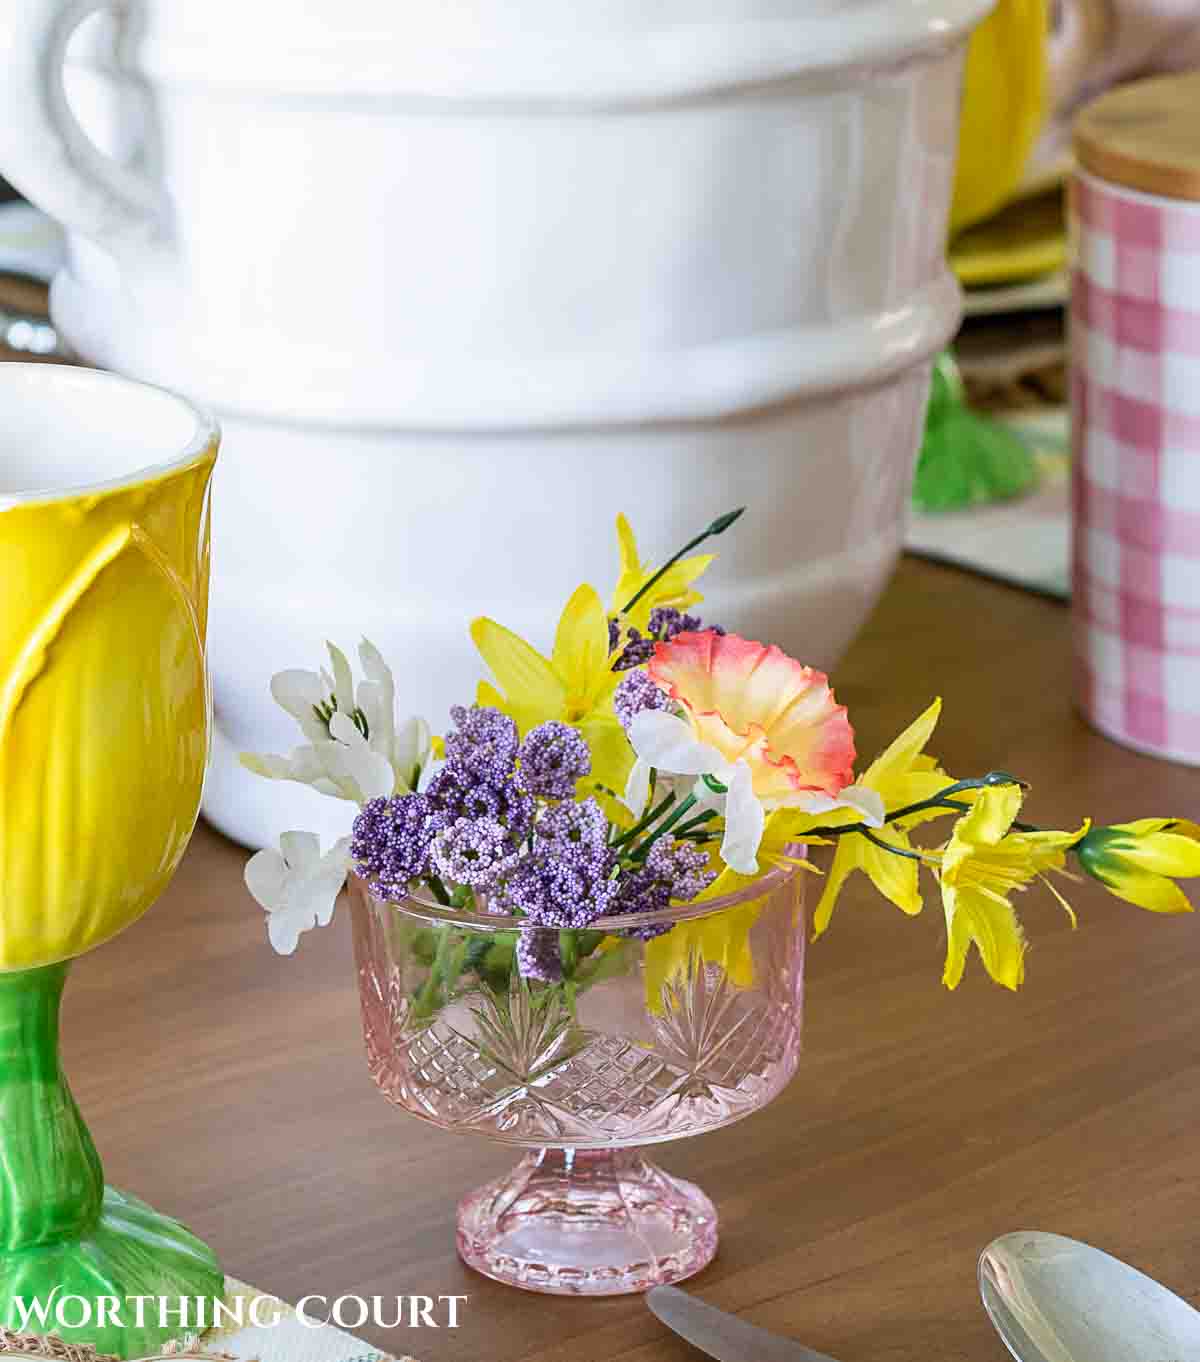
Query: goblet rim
point(424, 907)
point(200, 445)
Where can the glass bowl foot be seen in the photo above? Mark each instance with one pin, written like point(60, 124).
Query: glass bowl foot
point(587, 1223)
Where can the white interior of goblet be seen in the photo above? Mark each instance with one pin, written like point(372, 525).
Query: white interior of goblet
point(64, 431)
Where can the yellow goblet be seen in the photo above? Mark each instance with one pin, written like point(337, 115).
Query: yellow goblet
point(104, 722)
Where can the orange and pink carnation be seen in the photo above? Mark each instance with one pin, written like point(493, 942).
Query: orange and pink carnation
point(756, 704)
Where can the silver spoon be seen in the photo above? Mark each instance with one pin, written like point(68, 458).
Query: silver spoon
point(1056, 1300)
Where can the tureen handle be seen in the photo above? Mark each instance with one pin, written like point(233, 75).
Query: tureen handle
point(43, 150)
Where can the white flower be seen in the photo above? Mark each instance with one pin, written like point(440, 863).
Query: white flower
point(745, 819)
point(665, 743)
point(354, 749)
point(297, 885)
point(406, 749)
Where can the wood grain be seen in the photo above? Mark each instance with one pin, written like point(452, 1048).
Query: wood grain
point(229, 1086)
point(1145, 136)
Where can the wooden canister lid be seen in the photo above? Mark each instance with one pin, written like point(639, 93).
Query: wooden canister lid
point(1145, 136)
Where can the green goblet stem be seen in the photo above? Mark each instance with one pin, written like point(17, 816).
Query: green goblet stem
point(51, 1181)
point(62, 1232)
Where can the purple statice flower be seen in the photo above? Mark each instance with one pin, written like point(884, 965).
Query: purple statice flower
point(683, 866)
point(553, 757)
point(390, 843)
point(538, 956)
point(673, 872)
point(667, 623)
point(560, 890)
point(636, 653)
point(635, 693)
point(569, 826)
point(640, 890)
point(474, 851)
point(566, 880)
point(484, 742)
point(457, 792)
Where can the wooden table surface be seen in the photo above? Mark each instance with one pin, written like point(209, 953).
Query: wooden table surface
point(229, 1086)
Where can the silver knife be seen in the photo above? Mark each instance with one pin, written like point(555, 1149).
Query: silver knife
point(722, 1335)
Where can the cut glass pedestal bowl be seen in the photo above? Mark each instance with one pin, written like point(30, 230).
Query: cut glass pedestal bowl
point(645, 1041)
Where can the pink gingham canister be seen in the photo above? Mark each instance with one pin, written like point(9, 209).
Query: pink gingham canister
point(1135, 395)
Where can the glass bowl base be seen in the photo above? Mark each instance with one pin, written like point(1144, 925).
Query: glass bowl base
point(587, 1223)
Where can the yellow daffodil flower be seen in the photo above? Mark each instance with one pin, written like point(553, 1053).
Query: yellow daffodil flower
point(574, 685)
point(1140, 861)
point(673, 589)
point(981, 866)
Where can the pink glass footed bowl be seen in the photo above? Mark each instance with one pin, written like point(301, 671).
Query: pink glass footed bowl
point(645, 1041)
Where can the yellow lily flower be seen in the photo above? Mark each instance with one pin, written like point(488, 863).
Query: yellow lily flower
point(574, 685)
point(901, 776)
point(673, 589)
point(983, 863)
point(1140, 861)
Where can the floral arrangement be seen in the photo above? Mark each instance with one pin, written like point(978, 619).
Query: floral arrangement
point(650, 760)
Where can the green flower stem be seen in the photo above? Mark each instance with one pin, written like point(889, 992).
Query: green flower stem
point(940, 800)
point(655, 813)
point(53, 1184)
point(478, 950)
point(439, 891)
point(943, 797)
point(719, 526)
point(643, 850)
point(568, 947)
point(444, 971)
point(887, 846)
point(696, 822)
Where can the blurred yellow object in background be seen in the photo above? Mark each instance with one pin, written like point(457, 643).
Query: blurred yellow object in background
point(1004, 103)
point(1025, 240)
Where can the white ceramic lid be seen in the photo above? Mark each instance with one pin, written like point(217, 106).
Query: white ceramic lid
point(530, 50)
